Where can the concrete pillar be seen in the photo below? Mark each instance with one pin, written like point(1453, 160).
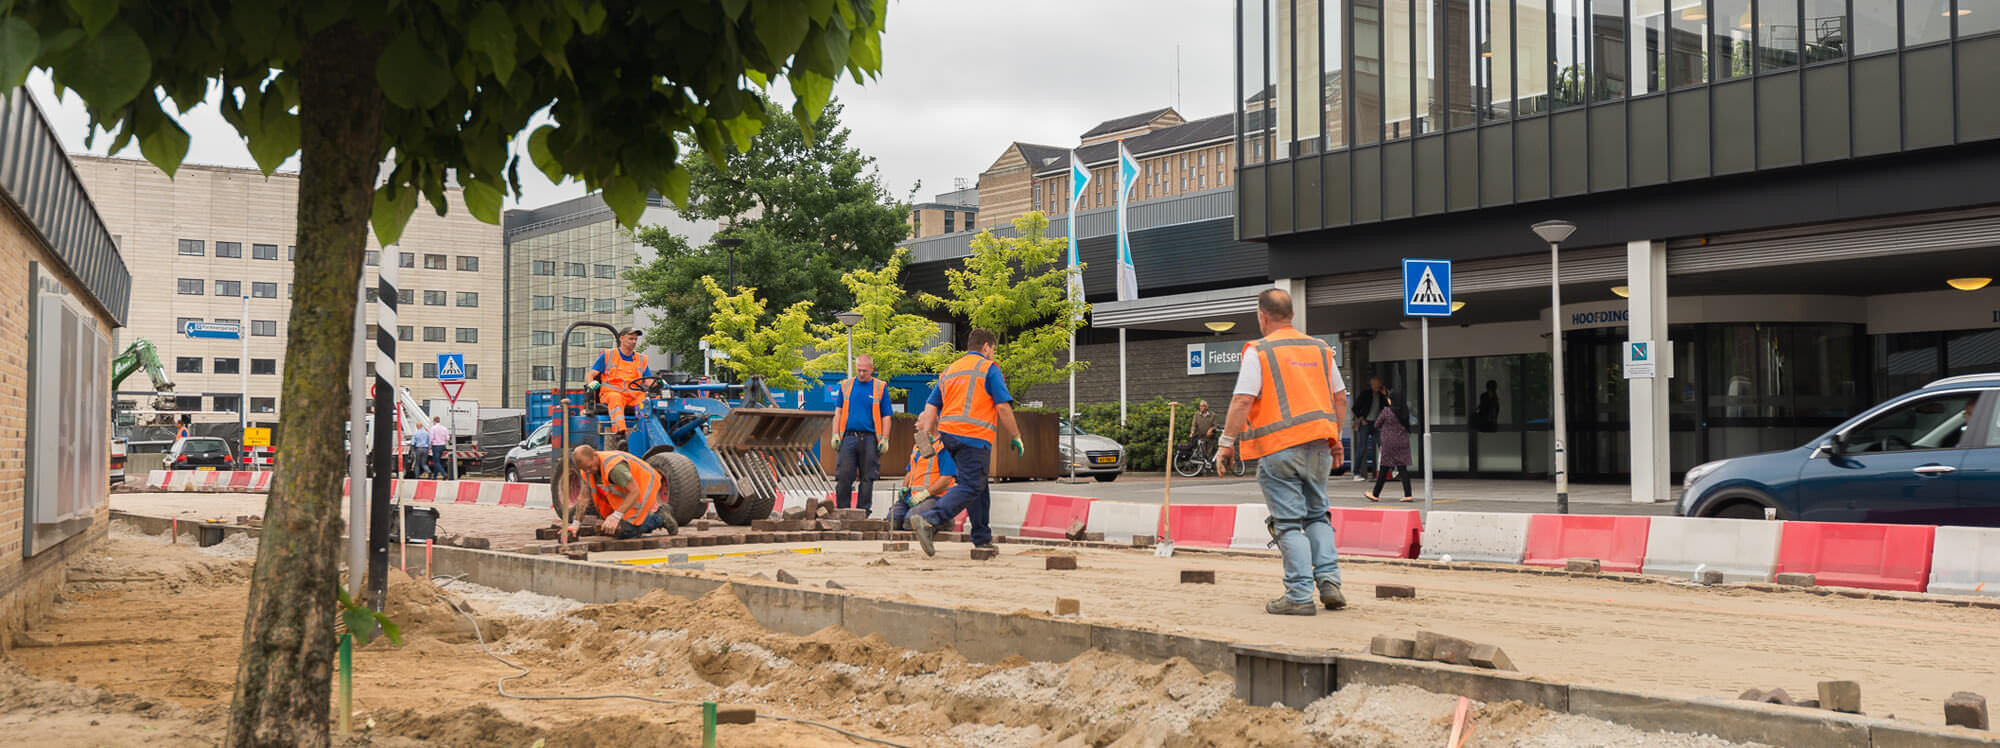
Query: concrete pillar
point(1646, 281)
point(1297, 288)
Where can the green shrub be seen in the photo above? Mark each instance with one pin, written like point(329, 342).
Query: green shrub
point(1144, 433)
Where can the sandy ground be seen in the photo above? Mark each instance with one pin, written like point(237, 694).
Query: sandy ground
point(1664, 638)
point(505, 526)
point(142, 651)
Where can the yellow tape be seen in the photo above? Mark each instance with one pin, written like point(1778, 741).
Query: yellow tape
point(712, 556)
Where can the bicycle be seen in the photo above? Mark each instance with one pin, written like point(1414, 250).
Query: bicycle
point(1188, 463)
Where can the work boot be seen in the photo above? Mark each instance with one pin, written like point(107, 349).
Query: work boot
point(1283, 606)
point(671, 526)
point(986, 546)
point(1329, 594)
point(924, 530)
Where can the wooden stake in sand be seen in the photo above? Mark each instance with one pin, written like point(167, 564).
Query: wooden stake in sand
point(1166, 547)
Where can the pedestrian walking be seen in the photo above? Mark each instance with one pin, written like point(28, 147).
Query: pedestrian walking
point(862, 434)
point(440, 439)
point(972, 407)
point(1393, 423)
point(420, 452)
point(1366, 438)
point(1286, 413)
point(931, 474)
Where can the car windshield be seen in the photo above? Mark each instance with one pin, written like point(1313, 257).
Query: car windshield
point(1064, 427)
point(204, 447)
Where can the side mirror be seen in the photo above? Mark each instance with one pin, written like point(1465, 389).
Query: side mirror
point(522, 444)
point(1838, 444)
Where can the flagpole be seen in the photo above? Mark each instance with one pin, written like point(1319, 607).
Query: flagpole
point(1128, 279)
point(1078, 177)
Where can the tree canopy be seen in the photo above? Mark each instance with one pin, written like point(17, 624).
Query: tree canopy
point(807, 207)
point(895, 338)
point(773, 348)
point(1018, 287)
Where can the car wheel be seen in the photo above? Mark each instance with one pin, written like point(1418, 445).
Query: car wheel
point(1739, 509)
point(1105, 477)
point(513, 476)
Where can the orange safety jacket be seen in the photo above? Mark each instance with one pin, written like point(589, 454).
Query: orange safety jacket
point(1296, 404)
point(620, 373)
point(609, 496)
point(881, 390)
point(968, 410)
point(924, 470)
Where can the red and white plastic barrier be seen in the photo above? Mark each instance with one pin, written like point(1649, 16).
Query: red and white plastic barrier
point(470, 492)
point(248, 481)
point(1618, 543)
point(262, 456)
point(1854, 554)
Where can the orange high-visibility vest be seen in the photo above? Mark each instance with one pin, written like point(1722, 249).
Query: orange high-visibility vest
point(620, 373)
point(881, 389)
point(924, 470)
point(968, 408)
point(1295, 406)
point(609, 495)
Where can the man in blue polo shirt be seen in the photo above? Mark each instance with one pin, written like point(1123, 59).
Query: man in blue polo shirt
point(862, 418)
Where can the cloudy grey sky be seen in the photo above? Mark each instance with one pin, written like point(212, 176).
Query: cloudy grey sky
point(961, 80)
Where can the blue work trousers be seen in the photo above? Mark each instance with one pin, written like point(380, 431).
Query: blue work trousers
point(970, 495)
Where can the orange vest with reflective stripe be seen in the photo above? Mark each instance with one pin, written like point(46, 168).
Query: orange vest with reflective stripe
point(609, 496)
point(923, 470)
point(874, 408)
point(968, 408)
point(1295, 406)
point(619, 373)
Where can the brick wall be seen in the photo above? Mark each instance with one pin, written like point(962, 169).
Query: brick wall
point(1152, 368)
point(27, 586)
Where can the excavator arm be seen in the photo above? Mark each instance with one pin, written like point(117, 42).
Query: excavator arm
point(138, 355)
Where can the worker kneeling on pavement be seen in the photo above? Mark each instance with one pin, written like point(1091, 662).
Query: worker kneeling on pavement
point(927, 479)
point(625, 490)
point(612, 375)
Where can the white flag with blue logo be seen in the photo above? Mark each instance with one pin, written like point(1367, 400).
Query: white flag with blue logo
point(1079, 178)
point(1128, 277)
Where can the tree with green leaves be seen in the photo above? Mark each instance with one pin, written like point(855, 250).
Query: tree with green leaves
point(807, 207)
point(752, 345)
point(435, 92)
point(1018, 287)
point(894, 337)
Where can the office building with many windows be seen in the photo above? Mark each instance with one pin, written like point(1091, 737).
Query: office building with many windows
point(211, 236)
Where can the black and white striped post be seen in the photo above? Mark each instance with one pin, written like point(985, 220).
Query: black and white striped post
point(385, 430)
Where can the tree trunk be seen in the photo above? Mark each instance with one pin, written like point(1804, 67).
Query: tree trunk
point(284, 674)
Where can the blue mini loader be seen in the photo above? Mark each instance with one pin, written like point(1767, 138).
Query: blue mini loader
point(706, 450)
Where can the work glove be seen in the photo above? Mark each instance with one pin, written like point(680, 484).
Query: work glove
point(836, 442)
point(881, 446)
point(1016, 444)
point(592, 388)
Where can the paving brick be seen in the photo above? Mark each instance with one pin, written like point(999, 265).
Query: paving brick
point(626, 545)
point(1425, 646)
point(735, 714)
point(1796, 579)
point(1068, 606)
point(547, 533)
point(1060, 563)
point(767, 525)
point(984, 554)
point(677, 542)
point(893, 547)
point(866, 525)
point(1584, 565)
point(1490, 657)
point(1395, 590)
point(1452, 650)
point(786, 577)
point(652, 544)
point(1840, 696)
point(850, 514)
point(1711, 576)
point(702, 525)
point(1197, 576)
point(1966, 709)
point(1075, 531)
point(1389, 646)
point(833, 585)
point(1093, 537)
point(578, 555)
point(797, 512)
point(597, 546)
point(1144, 541)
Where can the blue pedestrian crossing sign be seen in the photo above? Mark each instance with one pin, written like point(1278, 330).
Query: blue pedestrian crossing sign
point(451, 367)
point(1427, 288)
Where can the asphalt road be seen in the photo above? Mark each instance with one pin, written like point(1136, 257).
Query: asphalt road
point(1533, 496)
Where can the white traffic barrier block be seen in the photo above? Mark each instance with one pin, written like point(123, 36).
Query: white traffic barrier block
point(1008, 511)
point(1476, 536)
point(1744, 550)
point(1250, 532)
point(1965, 561)
point(1120, 520)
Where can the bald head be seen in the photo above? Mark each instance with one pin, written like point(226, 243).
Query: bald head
point(585, 457)
point(1274, 310)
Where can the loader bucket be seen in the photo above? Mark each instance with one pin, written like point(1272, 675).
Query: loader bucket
point(768, 450)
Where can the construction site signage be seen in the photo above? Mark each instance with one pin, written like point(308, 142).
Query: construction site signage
point(256, 437)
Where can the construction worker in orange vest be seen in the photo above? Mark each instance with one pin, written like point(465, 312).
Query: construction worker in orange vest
point(626, 491)
point(861, 434)
point(931, 474)
point(613, 373)
point(972, 407)
point(1286, 415)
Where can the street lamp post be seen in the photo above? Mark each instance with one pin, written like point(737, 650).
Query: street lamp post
point(850, 318)
point(1554, 232)
point(731, 243)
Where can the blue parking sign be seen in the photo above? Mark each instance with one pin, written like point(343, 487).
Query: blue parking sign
point(1427, 288)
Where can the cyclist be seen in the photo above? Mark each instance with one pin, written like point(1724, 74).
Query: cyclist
point(1202, 429)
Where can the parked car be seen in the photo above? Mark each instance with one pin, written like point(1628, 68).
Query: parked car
point(1926, 457)
point(532, 459)
point(1101, 458)
point(201, 453)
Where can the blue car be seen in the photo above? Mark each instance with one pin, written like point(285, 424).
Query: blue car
point(1927, 457)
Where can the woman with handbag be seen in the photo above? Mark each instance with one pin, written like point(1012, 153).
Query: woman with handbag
point(1393, 423)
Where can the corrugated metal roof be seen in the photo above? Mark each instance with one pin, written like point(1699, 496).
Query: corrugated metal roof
point(39, 182)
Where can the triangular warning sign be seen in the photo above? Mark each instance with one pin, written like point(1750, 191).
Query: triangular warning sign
point(1427, 293)
point(451, 369)
point(451, 390)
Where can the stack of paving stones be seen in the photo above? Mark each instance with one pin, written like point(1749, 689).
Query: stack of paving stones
point(1435, 647)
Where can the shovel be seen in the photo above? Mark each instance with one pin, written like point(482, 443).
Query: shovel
point(1165, 548)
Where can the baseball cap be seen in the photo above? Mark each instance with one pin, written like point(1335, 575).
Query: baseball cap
point(631, 331)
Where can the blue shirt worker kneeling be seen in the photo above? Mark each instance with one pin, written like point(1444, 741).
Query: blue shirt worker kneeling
point(929, 477)
point(971, 406)
point(862, 420)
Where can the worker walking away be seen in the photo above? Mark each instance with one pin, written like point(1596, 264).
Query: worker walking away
point(970, 401)
point(1285, 412)
point(440, 439)
point(929, 477)
point(420, 452)
point(861, 434)
point(626, 492)
point(611, 377)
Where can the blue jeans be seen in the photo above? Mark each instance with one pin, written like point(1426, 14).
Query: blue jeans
point(1294, 484)
point(903, 509)
point(438, 461)
point(970, 495)
point(654, 521)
